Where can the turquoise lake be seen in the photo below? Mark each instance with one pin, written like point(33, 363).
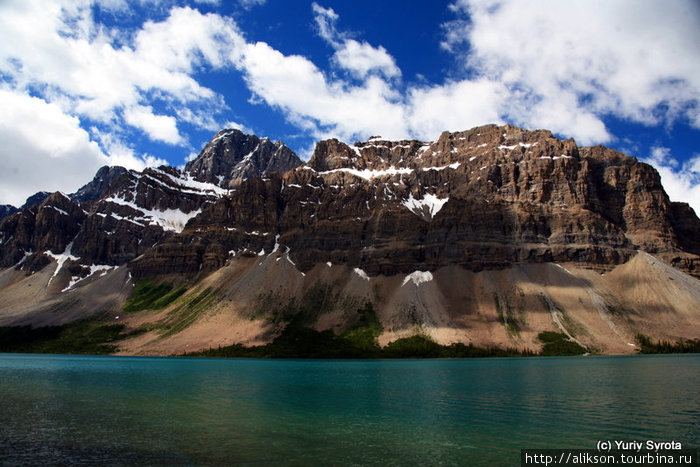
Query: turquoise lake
point(131, 410)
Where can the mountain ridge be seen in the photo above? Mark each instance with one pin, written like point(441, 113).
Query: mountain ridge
point(501, 212)
point(547, 199)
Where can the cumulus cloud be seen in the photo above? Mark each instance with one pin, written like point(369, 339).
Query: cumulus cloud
point(120, 153)
point(325, 108)
point(454, 106)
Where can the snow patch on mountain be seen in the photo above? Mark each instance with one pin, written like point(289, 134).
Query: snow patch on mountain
point(103, 269)
point(61, 258)
point(60, 211)
point(418, 277)
point(426, 207)
point(370, 174)
point(361, 273)
point(438, 169)
point(195, 187)
point(168, 219)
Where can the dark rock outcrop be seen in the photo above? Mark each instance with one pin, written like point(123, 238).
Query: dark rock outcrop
point(482, 199)
point(139, 210)
point(35, 200)
point(47, 228)
point(232, 156)
point(95, 188)
point(6, 210)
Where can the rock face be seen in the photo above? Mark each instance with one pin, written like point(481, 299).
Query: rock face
point(232, 156)
point(28, 236)
point(484, 198)
point(121, 214)
point(93, 190)
point(35, 200)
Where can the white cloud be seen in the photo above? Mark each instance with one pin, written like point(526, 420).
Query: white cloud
point(45, 149)
point(157, 127)
point(326, 108)
point(90, 72)
point(42, 149)
point(454, 107)
point(325, 19)
point(576, 62)
point(359, 58)
point(186, 40)
point(119, 153)
point(682, 183)
point(237, 126)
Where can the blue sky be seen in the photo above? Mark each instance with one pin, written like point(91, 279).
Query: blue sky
point(144, 82)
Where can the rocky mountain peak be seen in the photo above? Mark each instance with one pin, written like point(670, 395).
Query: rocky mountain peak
point(491, 143)
point(35, 200)
point(232, 156)
point(6, 210)
point(94, 189)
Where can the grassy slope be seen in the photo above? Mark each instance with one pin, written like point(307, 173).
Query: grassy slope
point(297, 339)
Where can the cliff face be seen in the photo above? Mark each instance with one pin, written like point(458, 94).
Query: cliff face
point(28, 236)
point(485, 198)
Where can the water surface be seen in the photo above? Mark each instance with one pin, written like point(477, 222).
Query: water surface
point(124, 410)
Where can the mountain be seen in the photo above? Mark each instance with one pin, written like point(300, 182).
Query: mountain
point(95, 188)
point(34, 200)
point(487, 198)
point(232, 157)
point(488, 236)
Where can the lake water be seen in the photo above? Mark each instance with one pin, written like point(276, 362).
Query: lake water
point(123, 410)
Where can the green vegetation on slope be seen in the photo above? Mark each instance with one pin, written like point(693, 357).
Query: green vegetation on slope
point(556, 343)
point(647, 346)
point(186, 313)
point(150, 296)
point(299, 341)
point(364, 336)
point(296, 340)
point(508, 315)
point(81, 337)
